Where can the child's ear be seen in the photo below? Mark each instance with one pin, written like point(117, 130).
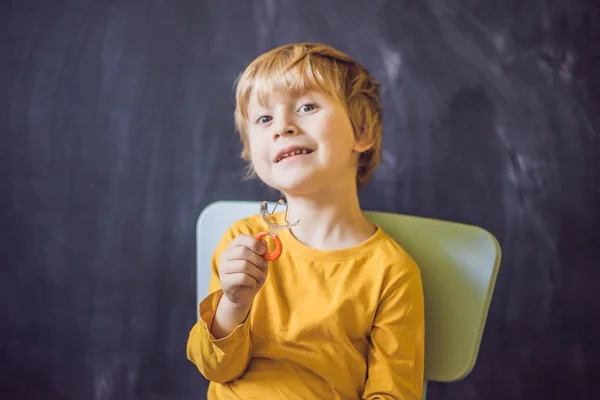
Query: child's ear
point(362, 145)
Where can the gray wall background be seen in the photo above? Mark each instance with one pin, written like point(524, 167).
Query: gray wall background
point(117, 131)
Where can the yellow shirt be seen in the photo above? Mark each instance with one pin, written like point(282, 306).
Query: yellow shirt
point(342, 324)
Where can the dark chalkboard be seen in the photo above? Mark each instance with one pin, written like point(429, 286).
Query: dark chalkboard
point(117, 130)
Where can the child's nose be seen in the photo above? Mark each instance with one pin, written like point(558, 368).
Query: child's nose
point(287, 131)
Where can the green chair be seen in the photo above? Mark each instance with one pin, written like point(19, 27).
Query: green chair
point(459, 264)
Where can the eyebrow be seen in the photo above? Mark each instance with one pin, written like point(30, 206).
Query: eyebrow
point(256, 110)
point(256, 107)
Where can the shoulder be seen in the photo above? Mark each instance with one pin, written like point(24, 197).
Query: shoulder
point(393, 257)
point(400, 276)
point(247, 226)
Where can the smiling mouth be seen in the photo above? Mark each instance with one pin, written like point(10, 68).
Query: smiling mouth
point(293, 153)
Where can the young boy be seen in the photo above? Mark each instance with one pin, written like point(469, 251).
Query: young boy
point(339, 315)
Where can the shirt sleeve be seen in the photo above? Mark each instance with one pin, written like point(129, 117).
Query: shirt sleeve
point(219, 360)
point(397, 343)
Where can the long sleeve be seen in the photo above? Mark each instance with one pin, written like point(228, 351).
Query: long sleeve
point(396, 355)
point(219, 360)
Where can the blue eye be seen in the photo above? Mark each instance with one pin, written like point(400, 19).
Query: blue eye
point(307, 107)
point(264, 119)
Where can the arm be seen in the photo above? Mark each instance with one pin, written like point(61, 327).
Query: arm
point(397, 348)
point(219, 343)
point(227, 317)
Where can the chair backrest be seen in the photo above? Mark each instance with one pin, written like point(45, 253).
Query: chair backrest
point(459, 264)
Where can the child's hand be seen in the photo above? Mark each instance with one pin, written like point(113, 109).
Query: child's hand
point(243, 270)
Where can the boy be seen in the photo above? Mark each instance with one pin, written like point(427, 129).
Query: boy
point(339, 315)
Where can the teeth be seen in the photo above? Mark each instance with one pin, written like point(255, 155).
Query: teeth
point(294, 153)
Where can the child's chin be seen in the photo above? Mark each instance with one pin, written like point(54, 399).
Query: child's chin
point(295, 184)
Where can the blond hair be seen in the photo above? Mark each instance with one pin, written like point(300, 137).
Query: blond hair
point(305, 66)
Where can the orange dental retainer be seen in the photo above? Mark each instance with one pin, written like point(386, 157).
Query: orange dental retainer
point(273, 228)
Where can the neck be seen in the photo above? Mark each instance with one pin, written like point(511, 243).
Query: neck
point(330, 219)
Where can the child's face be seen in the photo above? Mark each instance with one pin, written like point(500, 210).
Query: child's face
point(313, 124)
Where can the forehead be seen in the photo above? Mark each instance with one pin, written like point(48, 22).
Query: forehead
point(268, 99)
point(279, 82)
point(275, 80)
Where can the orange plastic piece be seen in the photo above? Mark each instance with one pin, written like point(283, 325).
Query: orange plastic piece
point(274, 255)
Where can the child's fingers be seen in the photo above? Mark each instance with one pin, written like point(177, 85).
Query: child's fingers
point(244, 267)
point(241, 253)
point(249, 242)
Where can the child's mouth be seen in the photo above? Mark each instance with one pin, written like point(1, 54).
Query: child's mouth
point(294, 154)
